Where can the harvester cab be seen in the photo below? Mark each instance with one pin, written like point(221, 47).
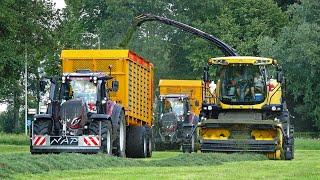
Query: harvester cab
point(246, 110)
point(77, 117)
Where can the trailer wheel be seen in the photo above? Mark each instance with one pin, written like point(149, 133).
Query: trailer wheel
point(106, 135)
point(137, 142)
point(149, 141)
point(121, 140)
point(41, 127)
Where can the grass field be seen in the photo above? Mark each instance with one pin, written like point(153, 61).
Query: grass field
point(17, 163)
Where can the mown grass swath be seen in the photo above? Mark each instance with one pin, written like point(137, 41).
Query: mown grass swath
point(26, 163)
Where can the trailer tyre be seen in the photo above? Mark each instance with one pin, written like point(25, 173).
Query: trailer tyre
point(149, 141)
point(137, 142)
point(106, 135)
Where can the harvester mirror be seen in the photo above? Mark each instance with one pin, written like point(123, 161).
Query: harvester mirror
point(115, 85)
point(205, 73)
point(279, 77)
point(279, 74)
point(42, 85)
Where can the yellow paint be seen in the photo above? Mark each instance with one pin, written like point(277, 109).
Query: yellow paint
point(263, 135)
point(135, 76)
point(240, 60)
point(191, 88)
point(215, 134)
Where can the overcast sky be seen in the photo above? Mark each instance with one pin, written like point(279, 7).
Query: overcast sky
point(59, 4)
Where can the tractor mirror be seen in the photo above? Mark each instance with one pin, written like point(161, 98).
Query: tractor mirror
point(205, 73)
point(115, 85)
point(42, 85)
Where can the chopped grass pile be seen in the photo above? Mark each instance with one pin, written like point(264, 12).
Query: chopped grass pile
point(27, 163)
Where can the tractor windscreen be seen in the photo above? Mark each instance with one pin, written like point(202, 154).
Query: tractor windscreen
point(242, 84)
point(84, 89)
point(173, 105)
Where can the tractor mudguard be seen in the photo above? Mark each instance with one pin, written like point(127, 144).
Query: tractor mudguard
point(99, 117)
point(43, 117)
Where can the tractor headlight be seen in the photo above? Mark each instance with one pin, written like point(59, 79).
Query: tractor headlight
point(273, 108)
point(209, 108)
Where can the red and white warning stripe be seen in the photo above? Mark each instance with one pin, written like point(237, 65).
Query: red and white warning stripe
point(91, 141)
point(39, 140)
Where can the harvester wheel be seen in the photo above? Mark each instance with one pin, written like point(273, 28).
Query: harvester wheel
point(149, 141)
point(137, 142)
point(121, 140)
point(106, 135)
point(41, 127)
point(289, 149)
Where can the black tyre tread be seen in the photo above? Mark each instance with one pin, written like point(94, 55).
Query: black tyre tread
point(105, 127)
point(149, 141)
point(41, 127)
point(117, 141)
point(135, 142)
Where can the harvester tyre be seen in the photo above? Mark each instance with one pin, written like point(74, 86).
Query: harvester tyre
point(121, 139)
point(137, 142)
point(289, 149)
point(106, 134)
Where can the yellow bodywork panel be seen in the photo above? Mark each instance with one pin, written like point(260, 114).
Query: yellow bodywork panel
point(214, 134)
point(264, 134)
point(191, 88)
point(241, 60)
point(135, 76)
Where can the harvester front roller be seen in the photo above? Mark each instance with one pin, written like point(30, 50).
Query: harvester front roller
point(264, 136)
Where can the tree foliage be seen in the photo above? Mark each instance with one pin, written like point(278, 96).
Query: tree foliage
point(272, 28)
point(26, 32)
point(297, 48)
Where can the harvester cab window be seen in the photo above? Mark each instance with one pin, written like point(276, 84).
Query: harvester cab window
point(242, 84)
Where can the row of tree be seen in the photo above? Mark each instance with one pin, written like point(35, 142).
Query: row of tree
point(283, 29)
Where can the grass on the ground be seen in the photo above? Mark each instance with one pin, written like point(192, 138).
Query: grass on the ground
point(26, 163)
point(16, 159)
point(14, 139)
point(6, 148)
point(304, 166)
point(307, 144)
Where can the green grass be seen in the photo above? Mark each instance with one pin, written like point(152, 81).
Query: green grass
point(307, 144)
point(305, 166)
point(4, 148)
point(17, 162)
point(34, 164)
point(14, 139)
